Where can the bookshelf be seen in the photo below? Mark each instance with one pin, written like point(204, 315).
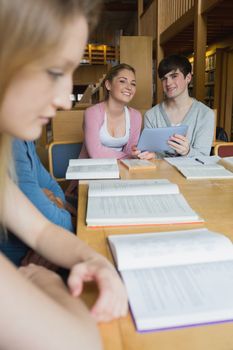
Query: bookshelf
point(219, 85)
point(210, 67)
point(99, 54)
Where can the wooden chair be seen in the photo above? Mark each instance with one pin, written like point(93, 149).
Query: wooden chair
point(59, 154)
point(215, 125)
point(67, 125)
point(224, 149)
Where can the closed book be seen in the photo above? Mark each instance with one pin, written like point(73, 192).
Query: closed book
point(138, 164)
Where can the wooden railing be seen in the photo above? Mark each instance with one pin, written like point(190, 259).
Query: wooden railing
point(148, 21)
point(172, 10)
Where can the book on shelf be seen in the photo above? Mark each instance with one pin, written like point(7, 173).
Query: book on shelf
point(137, 202)
point(138, 164)
point(92, 169)
point(176, 279)
point(203, 167)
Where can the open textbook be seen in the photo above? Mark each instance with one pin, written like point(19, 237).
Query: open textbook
point(203, 167)
point(227, 162)
point(92, 169)
point(176, 279)
point(137, 202)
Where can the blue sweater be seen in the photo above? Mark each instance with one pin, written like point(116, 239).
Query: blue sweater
point(33, 177)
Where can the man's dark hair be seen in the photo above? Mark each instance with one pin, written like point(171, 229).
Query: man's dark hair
point(174, 62)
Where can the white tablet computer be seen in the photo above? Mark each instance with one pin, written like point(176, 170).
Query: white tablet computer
point(155, 139)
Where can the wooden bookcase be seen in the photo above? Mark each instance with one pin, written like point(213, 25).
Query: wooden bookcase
point(210, 68)
point(99, 54)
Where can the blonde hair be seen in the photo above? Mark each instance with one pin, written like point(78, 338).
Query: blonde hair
point(29, 30)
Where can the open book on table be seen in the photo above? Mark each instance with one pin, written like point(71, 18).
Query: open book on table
point(137, 202)
point(138, 164)
point(203, 167)
point(227, 162)
point(175, 279)
point(92, 169)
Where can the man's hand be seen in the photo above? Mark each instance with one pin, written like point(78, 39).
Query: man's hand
point(180, 144)
point(112, 301)
point(136, 153)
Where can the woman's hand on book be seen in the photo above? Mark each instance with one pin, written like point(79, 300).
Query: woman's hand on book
point(112, 301)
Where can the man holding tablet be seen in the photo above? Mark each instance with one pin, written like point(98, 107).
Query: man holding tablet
point(178, 108)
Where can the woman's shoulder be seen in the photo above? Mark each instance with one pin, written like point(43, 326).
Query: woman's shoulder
point(134, 112)
point(135, 116)
point(97, 107)
point(96, 111)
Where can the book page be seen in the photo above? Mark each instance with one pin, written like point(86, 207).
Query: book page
point(205, 171)
point(169, 248)
point(92, 170)
point(180, 295)
point(96, 168)
point(148, 209)
point(93, 161)
point(189, 161)
point(131, 187)
point(227, 162)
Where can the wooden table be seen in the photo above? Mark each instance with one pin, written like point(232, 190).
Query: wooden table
point(213, 201)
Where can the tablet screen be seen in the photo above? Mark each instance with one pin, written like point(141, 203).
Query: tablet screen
point(155, 139)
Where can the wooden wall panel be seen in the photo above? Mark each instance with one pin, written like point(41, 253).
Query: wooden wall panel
point(89, 74)
point(137, 51)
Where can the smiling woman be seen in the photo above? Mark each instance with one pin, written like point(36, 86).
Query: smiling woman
point(41, 44)
point(111, 127)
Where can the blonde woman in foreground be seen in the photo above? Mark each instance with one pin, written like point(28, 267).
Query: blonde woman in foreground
point(41, 44)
